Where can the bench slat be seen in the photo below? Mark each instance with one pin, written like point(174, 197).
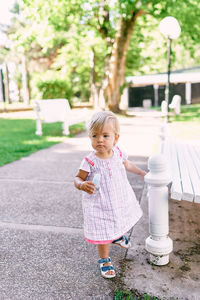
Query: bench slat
point(194, 170)
point(188, 193)
point(197, 153)
point(170, 153)
point(176, 188)
point(184, 161)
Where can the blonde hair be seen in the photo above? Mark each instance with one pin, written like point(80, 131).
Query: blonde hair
point(99, 119)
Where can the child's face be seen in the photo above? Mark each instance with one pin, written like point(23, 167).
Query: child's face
point(104, 140)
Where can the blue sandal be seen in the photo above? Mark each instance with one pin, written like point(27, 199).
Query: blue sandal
point(105, 269)
point(123, 242)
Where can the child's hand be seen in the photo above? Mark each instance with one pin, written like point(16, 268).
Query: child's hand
point(88, 187)
point(143, 173)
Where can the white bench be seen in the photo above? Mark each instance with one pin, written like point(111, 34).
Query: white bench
point(176, 168)
point(147, 103)
point(164, 109)
point(57, 110)
point(184, 161)
point(175, 104)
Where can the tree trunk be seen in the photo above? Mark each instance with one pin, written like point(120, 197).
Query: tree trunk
point(6, 84)
point(93, 91)
point(116, 74)
point(96, 92)
point(25, 84)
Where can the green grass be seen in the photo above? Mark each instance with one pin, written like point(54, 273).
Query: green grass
point(133, 295)
point(188, 113)
point(18, 139)
point(185, 125)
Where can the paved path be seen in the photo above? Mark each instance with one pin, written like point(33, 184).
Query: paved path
point(43, 252)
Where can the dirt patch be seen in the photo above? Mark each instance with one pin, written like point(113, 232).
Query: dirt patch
point(180, 277)
point(185, 232)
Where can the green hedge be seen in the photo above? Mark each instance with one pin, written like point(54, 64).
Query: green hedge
point(54, 89)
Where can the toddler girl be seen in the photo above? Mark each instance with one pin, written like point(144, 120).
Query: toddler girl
point(110, 207)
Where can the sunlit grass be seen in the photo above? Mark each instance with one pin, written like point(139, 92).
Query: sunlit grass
point(187, 124)
point(18, 139)
point(188, 113)
point(185, 130)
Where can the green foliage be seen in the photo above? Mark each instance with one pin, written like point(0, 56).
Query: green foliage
point(50, 85)
point(54, 89)
point(61, 36)
point(148, 48)
point(75, 69)
point(145, 54)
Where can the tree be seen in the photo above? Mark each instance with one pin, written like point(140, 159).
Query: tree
point(113, 24)
point(130, 11)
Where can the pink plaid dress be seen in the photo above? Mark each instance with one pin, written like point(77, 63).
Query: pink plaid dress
point(113, 209)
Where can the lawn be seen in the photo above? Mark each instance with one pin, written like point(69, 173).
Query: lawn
point(188, 113)
point(18, 139)
point(187, 124)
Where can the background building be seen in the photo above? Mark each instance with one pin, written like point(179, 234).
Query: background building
point(185, 82)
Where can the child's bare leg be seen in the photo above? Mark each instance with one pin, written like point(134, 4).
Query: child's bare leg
point(104, 253)
point(103, 250)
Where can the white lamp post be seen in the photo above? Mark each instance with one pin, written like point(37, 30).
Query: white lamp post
point(158, 244)
point(171, 29)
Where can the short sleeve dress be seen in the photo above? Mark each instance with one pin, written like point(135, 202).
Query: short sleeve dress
point(112, 210)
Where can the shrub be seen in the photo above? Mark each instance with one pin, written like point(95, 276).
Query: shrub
point(54, 89)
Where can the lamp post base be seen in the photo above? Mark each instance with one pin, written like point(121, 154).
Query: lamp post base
point(159, 250)
point(159, 260)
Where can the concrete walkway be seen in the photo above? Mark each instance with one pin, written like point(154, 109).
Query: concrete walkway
point(43, 252)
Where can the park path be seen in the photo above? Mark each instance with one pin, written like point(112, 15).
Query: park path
point(43, 252)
